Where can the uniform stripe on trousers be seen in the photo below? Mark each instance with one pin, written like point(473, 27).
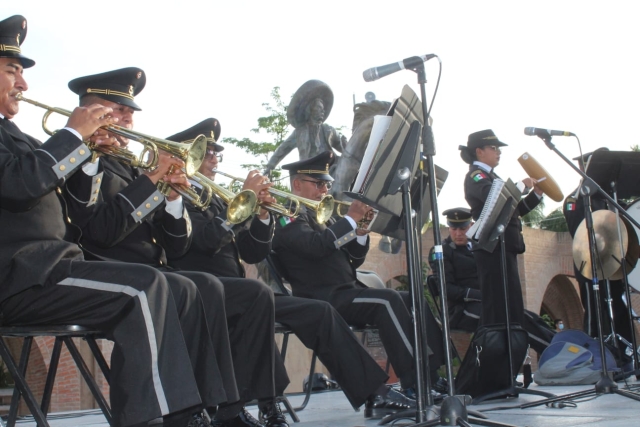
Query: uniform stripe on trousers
point(146, 312)
point(392, 315)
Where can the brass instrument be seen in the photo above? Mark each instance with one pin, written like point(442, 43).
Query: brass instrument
point(192, 154)
point(240, 206)
point(323, 208)
point(363, 224)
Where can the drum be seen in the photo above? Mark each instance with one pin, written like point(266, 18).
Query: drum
point(634, 212)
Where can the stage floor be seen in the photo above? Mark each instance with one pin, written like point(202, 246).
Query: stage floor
point(331, 409)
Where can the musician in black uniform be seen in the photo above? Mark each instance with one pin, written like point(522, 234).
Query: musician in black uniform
point(482, 153)
point(463, 288)
point(218, 247)
point(45, 280)
point(573, 210)
point(321, 262)
point(124, 217)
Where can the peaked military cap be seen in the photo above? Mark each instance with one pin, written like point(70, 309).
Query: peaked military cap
point(13, 31)
point(458, 217)
point(478, 140)
point(208, 127)
point(585, 157)
point(316, 167)
point(119, 86)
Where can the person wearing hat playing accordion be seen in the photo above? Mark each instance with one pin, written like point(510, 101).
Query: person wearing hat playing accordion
point(321, 262)
point(463, 288)
point(482, 153)
point(45, 279)
point(123, 216)
point(217, 248)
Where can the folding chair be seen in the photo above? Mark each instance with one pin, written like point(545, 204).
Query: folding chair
point(62, 334)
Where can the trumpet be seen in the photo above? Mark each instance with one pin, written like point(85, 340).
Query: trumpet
point(240, 206)
point(192, 154)
point(323, 207)
point(363, 224)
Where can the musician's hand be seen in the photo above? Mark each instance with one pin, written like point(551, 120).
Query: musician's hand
point(256, 182)
point(264, 197)
point(361, 232)
point(358, 210)
point(103, 137)
point(86, 120)
point(166, 164)
point(533, 183)
point(177, 177)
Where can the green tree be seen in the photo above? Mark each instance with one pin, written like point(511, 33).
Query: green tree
point(555, 221)
point(535, 217)
point(276, 128)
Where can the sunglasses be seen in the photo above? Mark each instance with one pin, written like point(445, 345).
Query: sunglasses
point(210, 154)
point(320, 184)
point(493, 147)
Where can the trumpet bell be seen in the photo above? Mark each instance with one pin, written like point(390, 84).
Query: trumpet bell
point(324, 209)
point(242, 206)
point(546, 182)
point(195, 156)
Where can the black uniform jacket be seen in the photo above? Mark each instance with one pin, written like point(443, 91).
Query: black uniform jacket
point(117, 210)
point(319, 260)
point(460, 271)
point(477, 185)
point(32, 227)
point(218, 247)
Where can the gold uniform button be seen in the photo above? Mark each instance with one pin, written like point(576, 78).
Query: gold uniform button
point(351, 234)
point(72, 160)
point(94, 199)
point(139, 213)
point(153, 240)
point(148, 205)
point(161, 263)
point(58, 190)
point(81, 152)
point(62, 167)
point(155, 198)
point(98, 180)
point(69, 220)
point(96, 192)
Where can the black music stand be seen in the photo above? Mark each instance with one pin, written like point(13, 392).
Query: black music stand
point(495, 218)
point(617, 171)
point(394, 168)
point(589, 188)
point(409, 117)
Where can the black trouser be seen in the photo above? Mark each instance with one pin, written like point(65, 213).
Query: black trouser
point(321, 328)
point(250, 317)
point(153, 372)
point(388, 310)
point(492, 288)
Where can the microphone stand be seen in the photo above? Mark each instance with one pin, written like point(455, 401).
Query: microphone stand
point(453, 410)
point(605, 385)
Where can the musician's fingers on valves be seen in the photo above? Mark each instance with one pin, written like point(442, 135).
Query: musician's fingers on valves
point(86, 120)
point(258, 183)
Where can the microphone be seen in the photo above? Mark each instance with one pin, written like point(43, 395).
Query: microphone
point(376, 73)
point(542, 133)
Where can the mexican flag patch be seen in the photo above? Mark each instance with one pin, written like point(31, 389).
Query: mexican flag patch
point(284, 220)
point(571, 206)
point(479, 176)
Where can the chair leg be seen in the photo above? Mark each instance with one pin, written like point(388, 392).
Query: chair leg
point(97, 353)
point(21, 384)
point(307, 395)
point(288, 407)
point(51, 375)
point(91, 382)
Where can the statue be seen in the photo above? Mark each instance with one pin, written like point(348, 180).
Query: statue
point(307, 111)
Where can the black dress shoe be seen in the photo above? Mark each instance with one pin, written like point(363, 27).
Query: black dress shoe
point(377, 407)
point(243, 419)
point(197, 420)
point(272, 416)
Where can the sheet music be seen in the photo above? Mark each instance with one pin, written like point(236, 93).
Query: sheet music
point(378, 131)
point(500, 192)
